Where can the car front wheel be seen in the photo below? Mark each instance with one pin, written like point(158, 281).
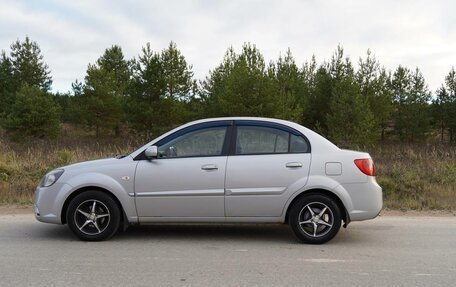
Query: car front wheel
point(315, 219)
point(93, 216)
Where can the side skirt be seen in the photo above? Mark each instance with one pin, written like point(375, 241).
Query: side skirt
point(146, 220)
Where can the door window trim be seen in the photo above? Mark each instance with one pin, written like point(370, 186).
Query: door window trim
point(196, 127)
point(229, 144)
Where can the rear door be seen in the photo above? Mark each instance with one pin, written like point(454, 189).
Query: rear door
point(266, 161)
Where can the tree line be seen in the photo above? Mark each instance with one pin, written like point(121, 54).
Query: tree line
point(351, 104)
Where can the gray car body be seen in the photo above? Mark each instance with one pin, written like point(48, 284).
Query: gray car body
point(257, 188)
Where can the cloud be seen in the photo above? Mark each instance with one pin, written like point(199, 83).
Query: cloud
point(73, 33)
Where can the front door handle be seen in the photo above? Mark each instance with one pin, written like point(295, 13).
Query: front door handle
point(293, 164)
point(209, 167)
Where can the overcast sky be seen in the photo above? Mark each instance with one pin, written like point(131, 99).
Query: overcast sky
point(73, 33)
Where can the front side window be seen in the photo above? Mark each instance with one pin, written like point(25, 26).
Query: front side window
point(261, 140)
point(204, 142)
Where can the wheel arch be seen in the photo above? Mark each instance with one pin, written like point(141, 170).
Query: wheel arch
point(123, 217)
point(325, 192)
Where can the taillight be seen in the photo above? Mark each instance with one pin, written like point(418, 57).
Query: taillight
point(366, 166)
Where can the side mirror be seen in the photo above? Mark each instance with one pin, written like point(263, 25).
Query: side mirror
point(151, 152)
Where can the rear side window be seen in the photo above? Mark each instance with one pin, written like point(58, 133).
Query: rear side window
point(267, 140)
point(260, 140)
point(298, 144)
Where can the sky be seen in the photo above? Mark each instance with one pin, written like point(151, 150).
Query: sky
point(73, 34)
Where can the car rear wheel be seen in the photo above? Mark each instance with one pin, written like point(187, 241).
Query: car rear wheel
point(315, 219)
point(93, 216)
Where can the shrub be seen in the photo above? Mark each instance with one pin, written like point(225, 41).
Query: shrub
point(34, 113)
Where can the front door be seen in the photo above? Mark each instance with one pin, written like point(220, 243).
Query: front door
point(187, 178)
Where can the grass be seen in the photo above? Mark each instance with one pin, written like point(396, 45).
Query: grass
point(23, 164)
point(413, 177)
point(417, 177)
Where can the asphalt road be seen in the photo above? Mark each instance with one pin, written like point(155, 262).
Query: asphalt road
point(387, 251)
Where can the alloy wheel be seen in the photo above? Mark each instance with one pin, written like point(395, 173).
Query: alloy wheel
point(316, 219)
point(92, 217)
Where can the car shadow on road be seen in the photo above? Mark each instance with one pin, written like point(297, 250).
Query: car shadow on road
point(273, 233)
point(262, 233)
point(51, 232)
point(208, 232)
point(177, 232)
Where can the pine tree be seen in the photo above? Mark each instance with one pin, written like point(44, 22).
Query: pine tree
point(401, 86)
point(240, 86)
point(74, 112)
point(28, 65)
point(440, 109)
point(104, 91)
point(411, 98)
point(349, 121)
point(162, 85)
point(177, 74)
point(319, 98)
point(146, 93)
point(7, 86)
point(24, 66)
point(27, 108)
point(450, 117)
point(308, 72)
point(289, 88)
point(34, 113)
point(374, 83)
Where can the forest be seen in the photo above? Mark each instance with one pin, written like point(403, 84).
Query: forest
point(121, 103)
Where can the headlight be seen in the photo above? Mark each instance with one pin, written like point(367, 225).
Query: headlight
point(51, 177)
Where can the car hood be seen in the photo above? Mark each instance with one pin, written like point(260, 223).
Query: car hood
point(92, 164)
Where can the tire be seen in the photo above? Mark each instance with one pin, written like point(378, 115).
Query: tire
point(93, 216)
point(315, 219)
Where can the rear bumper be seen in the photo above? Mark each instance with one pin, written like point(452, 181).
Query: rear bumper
point(367, 199)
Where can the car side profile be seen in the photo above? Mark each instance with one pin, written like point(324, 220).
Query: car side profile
point(223, 170)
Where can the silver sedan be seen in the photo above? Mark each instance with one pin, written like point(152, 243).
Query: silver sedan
point(217, 170)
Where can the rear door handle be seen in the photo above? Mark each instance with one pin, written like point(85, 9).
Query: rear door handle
point(293, 164)
point(209, 167)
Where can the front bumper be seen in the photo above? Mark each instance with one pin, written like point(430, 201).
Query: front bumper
point(49, 202)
